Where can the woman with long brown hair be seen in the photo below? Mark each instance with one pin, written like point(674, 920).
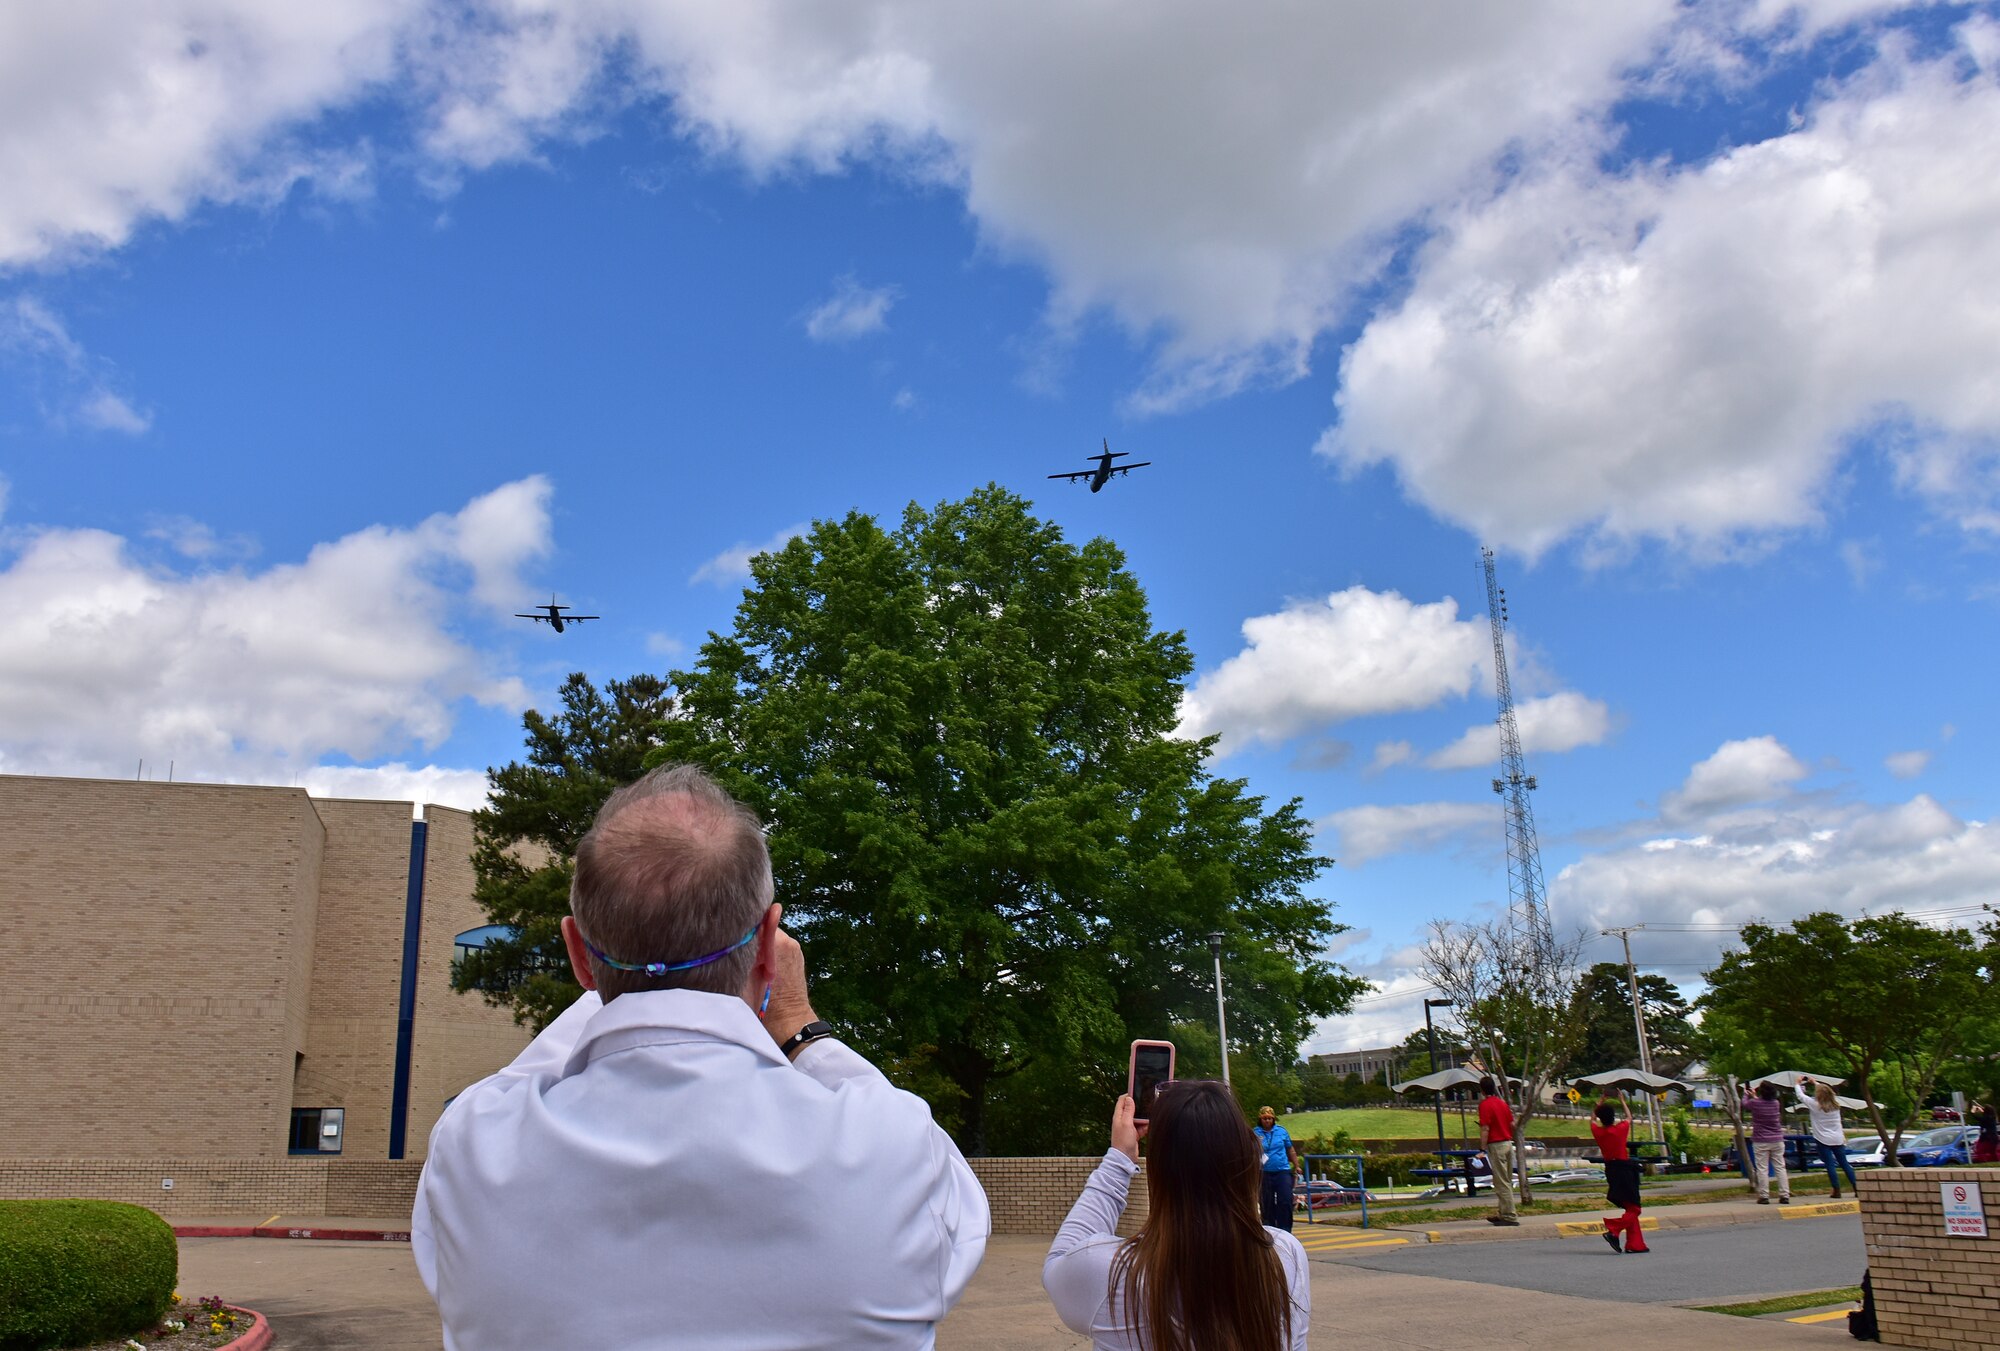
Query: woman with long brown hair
point(1203, 1273)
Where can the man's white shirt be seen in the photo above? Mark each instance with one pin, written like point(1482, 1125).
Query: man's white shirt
point(654, 1173)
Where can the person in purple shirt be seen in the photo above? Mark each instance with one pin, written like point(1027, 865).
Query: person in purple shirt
point(1767, 1143)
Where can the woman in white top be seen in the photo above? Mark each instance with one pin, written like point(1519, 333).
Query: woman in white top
point(1828, 1133)
point(1203, 1273)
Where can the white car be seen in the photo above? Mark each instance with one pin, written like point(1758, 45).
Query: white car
point(1866, 1151)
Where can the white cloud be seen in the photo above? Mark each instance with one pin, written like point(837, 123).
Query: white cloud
point(1391, 753)
point(1755, 769)
point(665, 645)
point(1686, 353)
point(235, 674)
point(1774, 866)
point(70, 384)
point(1907, 764)
point(731, 567)
point(1316, 663)
point(111, 116)
point(905, 400)
point(1373, 831)
point(1554, 723)
point(465, 789)
point(852, 311)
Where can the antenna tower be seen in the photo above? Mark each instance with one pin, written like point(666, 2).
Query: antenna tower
point(1524, 853)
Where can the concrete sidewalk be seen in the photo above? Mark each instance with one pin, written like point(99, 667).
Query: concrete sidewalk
point(1580, 1224)
point(339, 1295)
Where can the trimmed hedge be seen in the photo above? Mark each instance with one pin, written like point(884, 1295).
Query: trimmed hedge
point(73, 1272)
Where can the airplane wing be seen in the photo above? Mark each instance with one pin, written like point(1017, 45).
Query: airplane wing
point(539, 619)
point(1081, 473)
point(1128, 468)
point(577, 619)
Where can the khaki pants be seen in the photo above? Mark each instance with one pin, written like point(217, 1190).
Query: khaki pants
point(1763, 1154)
point(1501, 1155)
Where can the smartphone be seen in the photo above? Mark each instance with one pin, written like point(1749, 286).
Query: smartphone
point(1152, 1065)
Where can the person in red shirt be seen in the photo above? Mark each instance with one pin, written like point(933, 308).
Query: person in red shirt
point(1496, 1137)
point(1621, 1175)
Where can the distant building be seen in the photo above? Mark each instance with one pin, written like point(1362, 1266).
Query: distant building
point(1368, 1064)
point(233, 972)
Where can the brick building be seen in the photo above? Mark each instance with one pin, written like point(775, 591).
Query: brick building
point(206, 970)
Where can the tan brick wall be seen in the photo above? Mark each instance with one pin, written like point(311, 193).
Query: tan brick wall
point(460, 1038)
point(357, 964)
point(1032, 1195)
point(1027, 1196)
point(156, 940)
point(1931, 1289)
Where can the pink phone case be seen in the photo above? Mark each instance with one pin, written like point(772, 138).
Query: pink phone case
point(1142, 1091)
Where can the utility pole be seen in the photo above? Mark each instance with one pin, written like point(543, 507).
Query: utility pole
point(1430, 1036)
point(1639, 1023)
point(1221, 1018)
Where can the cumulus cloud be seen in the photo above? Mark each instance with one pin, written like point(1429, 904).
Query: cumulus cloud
point(1373, 831)
point(465, 789)
point(1773, 866)
point(1315, 663)
point(1686, 352)
point(239, 674)
point(1755, 769)
point(731, 567)
point(1553, 723)
point(852, 311)
point(1907, 764)
point(72, 386)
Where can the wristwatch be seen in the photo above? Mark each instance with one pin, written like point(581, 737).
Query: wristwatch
point(809, 1033)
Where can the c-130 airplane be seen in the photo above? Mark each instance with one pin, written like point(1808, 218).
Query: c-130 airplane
point(1101, 475)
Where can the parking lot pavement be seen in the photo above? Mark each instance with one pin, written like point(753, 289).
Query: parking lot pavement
point(1697, 1266)
point(328, 1294)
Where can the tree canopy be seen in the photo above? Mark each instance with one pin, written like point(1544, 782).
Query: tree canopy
point(1610, 1041)
point(1885, 1002)
point(1002, 863)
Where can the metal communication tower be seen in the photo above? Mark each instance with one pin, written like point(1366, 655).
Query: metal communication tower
point(1524, 853)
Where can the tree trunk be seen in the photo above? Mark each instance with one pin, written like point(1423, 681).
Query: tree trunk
point(1734, 1107)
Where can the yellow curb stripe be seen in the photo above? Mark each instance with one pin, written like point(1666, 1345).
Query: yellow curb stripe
point(1823, 1208)
point(1335, 1241)
point(1821, 1317)
point(273, 1217)
point(1579, 1228)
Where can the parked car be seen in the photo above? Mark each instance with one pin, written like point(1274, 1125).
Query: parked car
point(1952, 1145)
point(1800, 1152)
point(1867, 1151)
point(1945, 1114)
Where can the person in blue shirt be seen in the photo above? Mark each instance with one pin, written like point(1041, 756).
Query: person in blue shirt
point(1281, 1157)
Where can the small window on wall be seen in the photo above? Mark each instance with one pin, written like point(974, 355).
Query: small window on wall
point(317, 1130)
point(471, 945)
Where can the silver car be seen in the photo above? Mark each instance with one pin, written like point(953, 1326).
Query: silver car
point(1867, 1151)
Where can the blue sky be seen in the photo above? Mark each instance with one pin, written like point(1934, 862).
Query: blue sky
point(328, 341)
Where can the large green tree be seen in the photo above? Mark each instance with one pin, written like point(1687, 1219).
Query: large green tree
point(1887, 1003)
point(1610, 1039)
point(1002, 863)
point(524, 840)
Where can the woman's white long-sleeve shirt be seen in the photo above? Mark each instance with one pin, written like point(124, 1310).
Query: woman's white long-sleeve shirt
point(1077, 1271)
point(1826, 1127)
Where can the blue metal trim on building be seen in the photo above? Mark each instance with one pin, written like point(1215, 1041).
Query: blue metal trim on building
point(406, 1002)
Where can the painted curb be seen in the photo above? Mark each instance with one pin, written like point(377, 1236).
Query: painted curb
point(272, 1231)
point(256, 1339)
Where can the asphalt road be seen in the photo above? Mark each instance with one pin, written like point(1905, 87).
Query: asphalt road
point(1700, 1266)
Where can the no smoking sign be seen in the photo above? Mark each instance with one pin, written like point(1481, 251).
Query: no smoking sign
point(1964, 1212)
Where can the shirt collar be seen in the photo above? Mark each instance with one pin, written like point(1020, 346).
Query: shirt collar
point(668, 1018)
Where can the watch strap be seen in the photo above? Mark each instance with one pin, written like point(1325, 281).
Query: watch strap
point(812, 1031)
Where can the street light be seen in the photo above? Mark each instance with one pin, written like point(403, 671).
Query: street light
point(1221, 1019)
point(1430, 1037)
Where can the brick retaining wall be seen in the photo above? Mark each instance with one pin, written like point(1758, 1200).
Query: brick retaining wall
point(1027, 1196)
point(1931, 1289)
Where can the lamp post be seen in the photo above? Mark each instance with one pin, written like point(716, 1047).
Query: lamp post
point(1430, 1038)
point(1221, 1018)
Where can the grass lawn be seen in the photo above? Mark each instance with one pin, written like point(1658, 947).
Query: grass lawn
point(1400, 1123)
point(1786, 1303)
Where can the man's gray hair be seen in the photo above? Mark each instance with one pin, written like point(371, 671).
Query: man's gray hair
point(673, 868)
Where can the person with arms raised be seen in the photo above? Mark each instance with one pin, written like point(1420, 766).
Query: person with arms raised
point(687, 1156)
point(1203, 1273)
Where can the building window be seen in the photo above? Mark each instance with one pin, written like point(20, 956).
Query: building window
point(317, 1130)
point(471, 945)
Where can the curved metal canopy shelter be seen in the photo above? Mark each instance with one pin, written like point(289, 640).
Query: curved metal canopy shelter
point(1637, 1081)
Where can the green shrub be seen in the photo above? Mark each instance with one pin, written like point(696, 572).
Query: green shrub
point(81, 1271)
